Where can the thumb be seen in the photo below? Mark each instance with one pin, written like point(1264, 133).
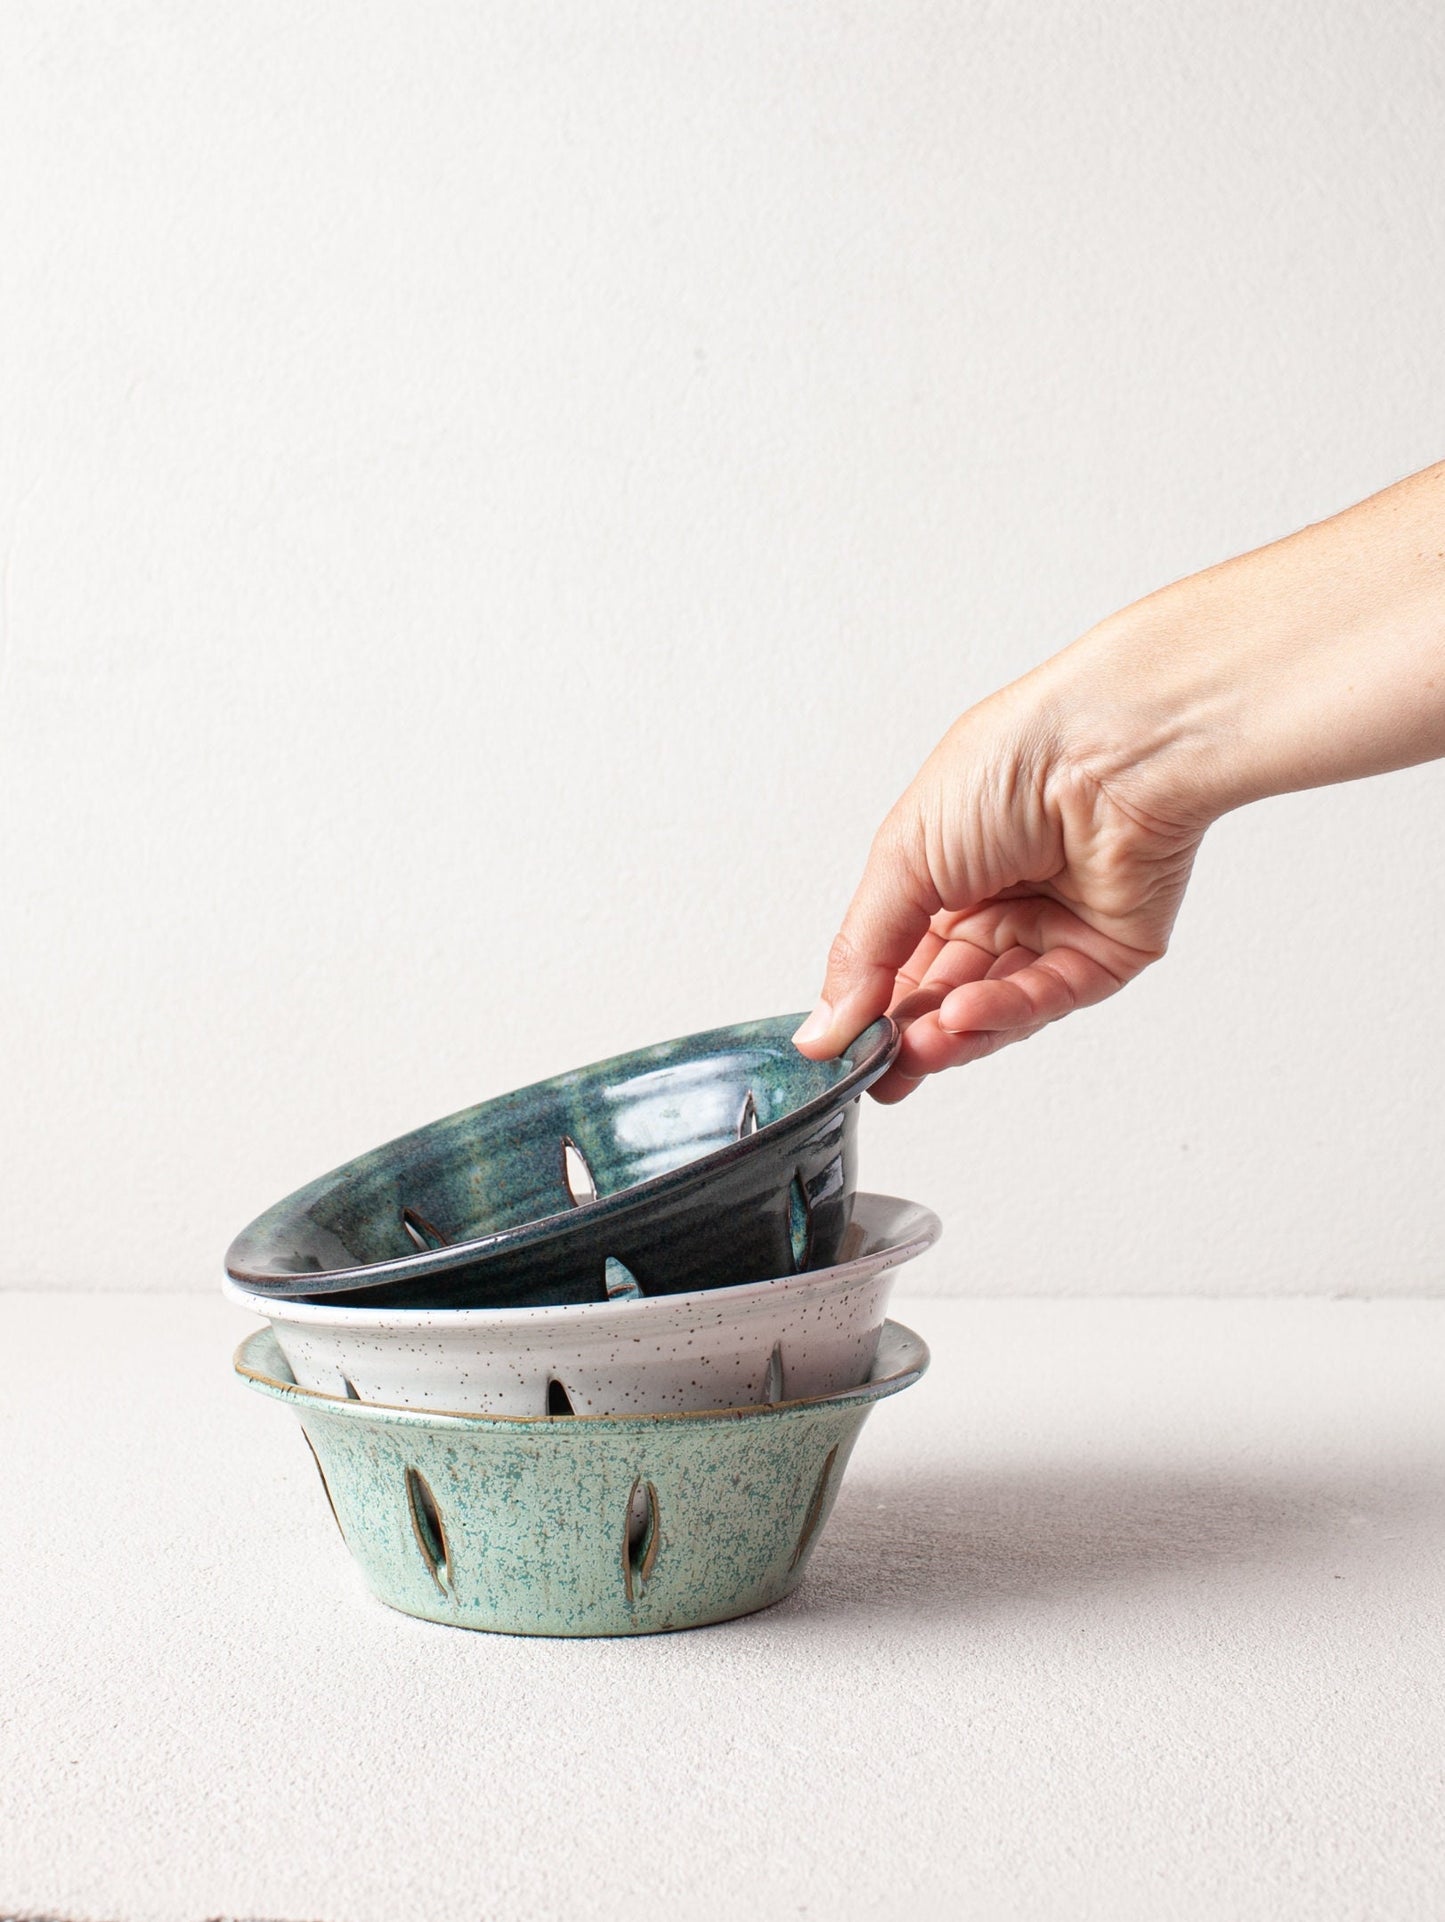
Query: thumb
point(886, 919)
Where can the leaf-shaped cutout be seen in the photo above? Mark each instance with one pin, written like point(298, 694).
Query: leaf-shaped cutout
point(349, 1388)
point(620, 1281)
point(773, 1383)
point(641, 1537)
point(559, 1402)
point(426, 1527)
point(748, 1119)
point(324, 1483)
point(421, 1233)
point(815, 1509)
point(577, 1174)
point(800, 1224)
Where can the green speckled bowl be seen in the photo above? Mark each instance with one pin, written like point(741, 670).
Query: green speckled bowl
point(583, 1525)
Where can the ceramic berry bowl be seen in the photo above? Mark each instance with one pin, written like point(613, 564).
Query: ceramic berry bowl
point(583, 1525)
point(767, 1341)
point(718, 1159)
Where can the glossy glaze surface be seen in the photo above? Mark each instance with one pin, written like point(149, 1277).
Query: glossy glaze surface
point(718, 1159)
point(799, 1335)
point(583, 1526)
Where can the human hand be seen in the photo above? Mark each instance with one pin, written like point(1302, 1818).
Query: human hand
point(1027, 871)
point(1038, 860)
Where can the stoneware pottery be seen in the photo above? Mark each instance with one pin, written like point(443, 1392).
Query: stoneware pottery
point(722, 1158)
point(583, 1524)
point(767, 1341)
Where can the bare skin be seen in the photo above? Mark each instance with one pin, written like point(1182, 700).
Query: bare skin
point(1037, 861)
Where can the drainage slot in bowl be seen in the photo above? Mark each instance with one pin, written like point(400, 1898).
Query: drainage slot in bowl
point(641, 1537)
point(324, 1483)
point(349, 1386)
point(800, 1224)
point(426, 1526)
point(773, 1381)
point(421, 1233)
point(559, 1402)
point(578, 1176)
point(620, 1282)
point(815, 1510)
point(748, 1119)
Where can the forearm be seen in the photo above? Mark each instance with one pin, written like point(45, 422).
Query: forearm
point(1320, 658)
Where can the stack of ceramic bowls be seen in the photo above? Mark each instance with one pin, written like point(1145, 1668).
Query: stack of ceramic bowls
point(590, 1358)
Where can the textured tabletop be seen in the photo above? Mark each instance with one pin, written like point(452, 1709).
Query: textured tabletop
point(1131, 1609)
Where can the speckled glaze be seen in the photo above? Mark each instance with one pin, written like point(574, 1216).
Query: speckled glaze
point(715, 1160)
point(800, 1335)
point(583, 1525)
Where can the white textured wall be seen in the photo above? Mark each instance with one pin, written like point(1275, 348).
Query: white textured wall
point(495, 500)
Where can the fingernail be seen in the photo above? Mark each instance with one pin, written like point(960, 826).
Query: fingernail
point(816, 1025)
point(947, 1021)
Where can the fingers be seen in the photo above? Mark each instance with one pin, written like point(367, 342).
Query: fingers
point(1011, 963)
point(973, 1002)
point(894, 1087)
point(941, 966)
point(938, 966)
point(881, 932)
point(927, 1050)
point(942, 961)
point(1038, 991)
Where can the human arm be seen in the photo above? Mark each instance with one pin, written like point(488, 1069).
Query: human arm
point(1037, 861)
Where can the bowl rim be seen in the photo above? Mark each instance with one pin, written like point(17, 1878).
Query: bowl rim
point(871, 1063)
point(903, 1352)
point(918, 1226)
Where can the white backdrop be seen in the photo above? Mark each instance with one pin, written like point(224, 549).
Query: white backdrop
point(495, 500)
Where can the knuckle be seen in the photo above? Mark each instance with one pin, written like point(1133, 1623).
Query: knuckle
point(844, 960)
point(895, 844)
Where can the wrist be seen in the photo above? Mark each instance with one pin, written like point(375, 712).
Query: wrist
point(1320, 658)
point(1150, 711)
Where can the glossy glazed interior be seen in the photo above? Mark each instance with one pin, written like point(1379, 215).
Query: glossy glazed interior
point(554, 1152)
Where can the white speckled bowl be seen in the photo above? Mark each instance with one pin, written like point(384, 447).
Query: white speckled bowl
point(767, 1341)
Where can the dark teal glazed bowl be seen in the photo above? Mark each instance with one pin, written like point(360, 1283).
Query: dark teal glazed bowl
point(720, 1158)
